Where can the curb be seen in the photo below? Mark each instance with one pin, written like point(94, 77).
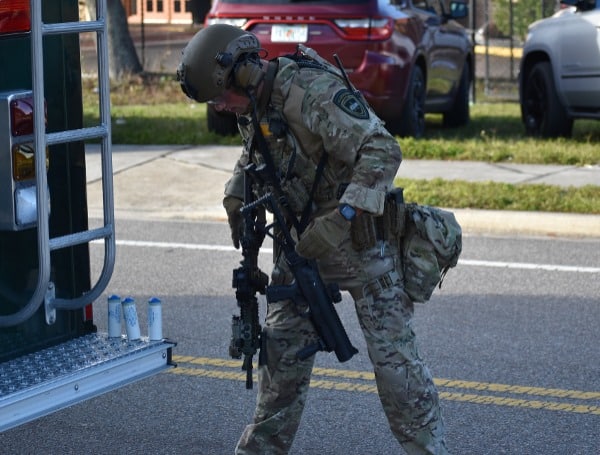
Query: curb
point(473, 222)
point(506, 222)
point(185, 183)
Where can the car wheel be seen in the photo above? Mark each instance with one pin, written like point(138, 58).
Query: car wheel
point(223, 124)
point(412, 122)
point(541, 111)
point(459, 114)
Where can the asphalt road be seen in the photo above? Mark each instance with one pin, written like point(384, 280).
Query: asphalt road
point(511, 339)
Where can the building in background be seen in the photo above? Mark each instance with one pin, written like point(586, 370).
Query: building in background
point(166, 11)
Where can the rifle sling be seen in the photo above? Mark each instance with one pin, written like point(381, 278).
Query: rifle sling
point(260, 143)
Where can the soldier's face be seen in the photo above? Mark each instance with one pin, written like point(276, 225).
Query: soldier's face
point(231, 101)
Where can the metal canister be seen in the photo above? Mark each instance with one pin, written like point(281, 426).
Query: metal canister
point(132, 325)
point(114, 316)
point(155, 319)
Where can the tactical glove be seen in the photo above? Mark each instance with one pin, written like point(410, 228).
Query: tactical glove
point(236, 221)
point(323, 235)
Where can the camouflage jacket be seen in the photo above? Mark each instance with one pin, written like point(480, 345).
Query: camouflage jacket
point(310, 111)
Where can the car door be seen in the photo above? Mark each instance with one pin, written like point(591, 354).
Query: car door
point(445, 53)
point(580, 58)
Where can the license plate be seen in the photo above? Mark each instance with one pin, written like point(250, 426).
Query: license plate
point(289, 33)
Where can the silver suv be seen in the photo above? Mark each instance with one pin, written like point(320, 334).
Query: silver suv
point(559, 80)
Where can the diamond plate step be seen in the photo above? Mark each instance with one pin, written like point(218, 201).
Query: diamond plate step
point(43, 382)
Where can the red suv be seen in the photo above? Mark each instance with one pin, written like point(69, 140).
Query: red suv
point(407, 57)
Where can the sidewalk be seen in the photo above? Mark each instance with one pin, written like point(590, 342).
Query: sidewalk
point(186, 183)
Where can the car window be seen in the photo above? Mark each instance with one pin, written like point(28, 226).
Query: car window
point(588, 5)
point(426, 5)
point(582, 5)
point(437, 7)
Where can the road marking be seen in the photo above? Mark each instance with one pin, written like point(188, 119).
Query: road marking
point(467, 262)
point(176, 245)
point(530, 266)
point(365, 383)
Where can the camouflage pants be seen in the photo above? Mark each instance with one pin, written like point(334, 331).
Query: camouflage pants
point(405, 385)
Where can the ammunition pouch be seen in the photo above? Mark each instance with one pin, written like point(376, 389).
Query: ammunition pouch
point(394, 217)
point(363, 232)
point(428, 241)
point(367, 229)
point(296, 194)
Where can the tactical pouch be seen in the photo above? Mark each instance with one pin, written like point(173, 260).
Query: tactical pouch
point(296, 194)
point(363, 232)
point(394, 217)
point(431, 246)
point(367, 230)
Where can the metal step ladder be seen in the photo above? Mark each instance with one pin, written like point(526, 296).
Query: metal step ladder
point(45, 381)
point(44, 291)
point(38, 384)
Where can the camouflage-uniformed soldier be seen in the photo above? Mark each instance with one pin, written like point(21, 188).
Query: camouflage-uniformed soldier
point(311, 118)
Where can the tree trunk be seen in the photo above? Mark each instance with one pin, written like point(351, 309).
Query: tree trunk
point(123, 60)
point(199, 10)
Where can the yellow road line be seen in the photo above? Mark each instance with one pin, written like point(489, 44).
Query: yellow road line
point(525, 390)
point(371, 388)
point(446, 383)
point(519, 403)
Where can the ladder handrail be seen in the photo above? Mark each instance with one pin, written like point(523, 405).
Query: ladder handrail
point(44, 291)
point(81, 134)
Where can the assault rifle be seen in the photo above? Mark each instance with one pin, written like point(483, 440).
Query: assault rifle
point(308, 287)
point(247, 281)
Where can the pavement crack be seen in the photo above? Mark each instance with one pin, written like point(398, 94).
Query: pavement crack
point(529, 177)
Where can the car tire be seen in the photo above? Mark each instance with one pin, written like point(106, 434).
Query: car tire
point(223, 124)
point(459, 114)
point(412, 120)
point(542, 112)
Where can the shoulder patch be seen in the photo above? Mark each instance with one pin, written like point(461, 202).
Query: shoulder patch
point(348, 102)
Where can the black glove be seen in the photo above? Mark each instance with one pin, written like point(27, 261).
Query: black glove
point(233, 206)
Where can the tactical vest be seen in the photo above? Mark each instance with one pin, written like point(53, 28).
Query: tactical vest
point(297, 152)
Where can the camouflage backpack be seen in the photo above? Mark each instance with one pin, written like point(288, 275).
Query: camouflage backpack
point(431, 245)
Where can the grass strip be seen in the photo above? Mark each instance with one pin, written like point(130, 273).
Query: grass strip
point(501, 196)
point(185, 123)
point(153, 111)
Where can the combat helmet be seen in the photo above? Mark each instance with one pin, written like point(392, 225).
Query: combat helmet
point(216, 58)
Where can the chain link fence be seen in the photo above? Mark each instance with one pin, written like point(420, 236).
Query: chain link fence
point(499, 28)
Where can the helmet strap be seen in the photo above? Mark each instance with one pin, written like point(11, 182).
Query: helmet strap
point(248, 73)
point(267, 88)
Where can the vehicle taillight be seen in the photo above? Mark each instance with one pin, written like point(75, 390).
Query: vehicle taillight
point(23, 162)
point(18, 191)
point(367, 28)
point(237, 22)
point(21, 115)
point(14, 16)
point(21, 124)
